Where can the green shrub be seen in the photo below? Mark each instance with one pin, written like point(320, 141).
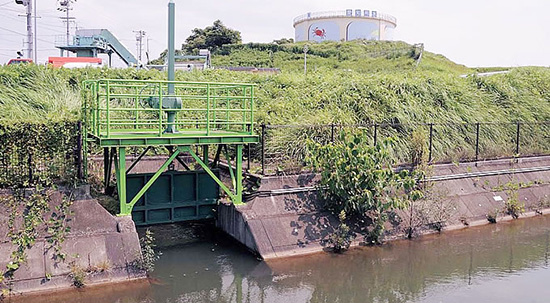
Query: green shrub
point(360, 180)
point(146, 261)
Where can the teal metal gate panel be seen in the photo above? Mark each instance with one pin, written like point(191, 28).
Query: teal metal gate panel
point(176, 196)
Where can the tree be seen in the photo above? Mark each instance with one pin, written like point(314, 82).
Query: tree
point(211, 37)
point(283, 41)
point(361, 181)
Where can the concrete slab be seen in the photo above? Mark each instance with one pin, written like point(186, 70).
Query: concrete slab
point(96, 238)
point(91, 218)
point(287, 224)
point(262, 243)
point(32, 269)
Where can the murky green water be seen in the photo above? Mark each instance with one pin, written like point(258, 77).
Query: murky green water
point(507, 262)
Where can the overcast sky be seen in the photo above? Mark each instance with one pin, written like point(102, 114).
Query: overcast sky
point(470, 32)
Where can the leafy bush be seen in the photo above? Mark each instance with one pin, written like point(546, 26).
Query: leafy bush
point(360, 180)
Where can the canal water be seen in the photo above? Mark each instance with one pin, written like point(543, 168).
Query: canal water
point(505, 262)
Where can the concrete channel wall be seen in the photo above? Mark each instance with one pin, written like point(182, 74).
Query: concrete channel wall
point(101, 245)
point(286, 219)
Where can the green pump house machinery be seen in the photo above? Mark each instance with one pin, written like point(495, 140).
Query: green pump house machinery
point(124, 114)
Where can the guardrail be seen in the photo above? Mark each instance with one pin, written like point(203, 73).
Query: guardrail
point(114, 107)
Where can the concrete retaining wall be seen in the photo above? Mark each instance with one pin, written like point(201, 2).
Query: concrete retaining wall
point(286, 219)
point(99, 243)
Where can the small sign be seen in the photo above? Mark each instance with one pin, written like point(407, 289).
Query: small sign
point(497, 198)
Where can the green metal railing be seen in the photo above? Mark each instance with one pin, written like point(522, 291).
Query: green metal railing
point(123, 107)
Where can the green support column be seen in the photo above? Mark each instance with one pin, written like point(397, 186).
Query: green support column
point(121, 180)
point(106, 168)
point(239, 175)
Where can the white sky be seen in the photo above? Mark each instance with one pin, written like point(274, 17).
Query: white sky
point(470, 32)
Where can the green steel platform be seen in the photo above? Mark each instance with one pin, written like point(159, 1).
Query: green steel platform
point(183, 137)
point(119, 114)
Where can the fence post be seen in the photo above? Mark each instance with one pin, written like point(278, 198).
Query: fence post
point(517, 138)
point(477, 141)
point(29, 163)
point(79, 151)
point(375, 132)
point(431, 142)
point(263, 149)
point(332, 133)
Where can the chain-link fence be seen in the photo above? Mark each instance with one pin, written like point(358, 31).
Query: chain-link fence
point(283, 147)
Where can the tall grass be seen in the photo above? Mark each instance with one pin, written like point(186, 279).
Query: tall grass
point(347, 83)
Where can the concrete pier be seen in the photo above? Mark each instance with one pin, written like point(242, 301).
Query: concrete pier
point(102, 245)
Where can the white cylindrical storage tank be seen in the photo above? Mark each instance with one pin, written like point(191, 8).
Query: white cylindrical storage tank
point(344, 25)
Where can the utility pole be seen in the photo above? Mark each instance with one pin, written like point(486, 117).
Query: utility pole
point(147, 51)
point(30, 48)
point(139, 42)
point(35, 34)
point(65, 6)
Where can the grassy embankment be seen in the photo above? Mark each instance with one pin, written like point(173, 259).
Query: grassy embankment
point(349, 82)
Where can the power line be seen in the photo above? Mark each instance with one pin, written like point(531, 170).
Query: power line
point(12, 31)
point(12, 10)
point(6, 3)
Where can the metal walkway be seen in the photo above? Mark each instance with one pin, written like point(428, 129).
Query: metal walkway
point(121, 114)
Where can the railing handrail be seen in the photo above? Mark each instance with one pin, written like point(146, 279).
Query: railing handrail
point(275, 126)
point(104, 108)
point(342, 13)
point(168, 81)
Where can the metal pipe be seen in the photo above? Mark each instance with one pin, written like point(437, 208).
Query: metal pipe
point(477, 141)
point(517, 138)
point(171, 45)
point(263, 149)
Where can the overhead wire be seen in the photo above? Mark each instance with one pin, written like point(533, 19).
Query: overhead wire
point(6, 3)
point(11, 31)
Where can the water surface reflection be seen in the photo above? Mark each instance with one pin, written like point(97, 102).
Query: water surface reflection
point(507, 262)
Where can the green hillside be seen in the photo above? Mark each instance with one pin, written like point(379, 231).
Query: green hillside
point(347, 82)
point(359, 56)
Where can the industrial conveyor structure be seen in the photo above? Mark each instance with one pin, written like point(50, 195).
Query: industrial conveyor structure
point(182, 117)
point(91, 42)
